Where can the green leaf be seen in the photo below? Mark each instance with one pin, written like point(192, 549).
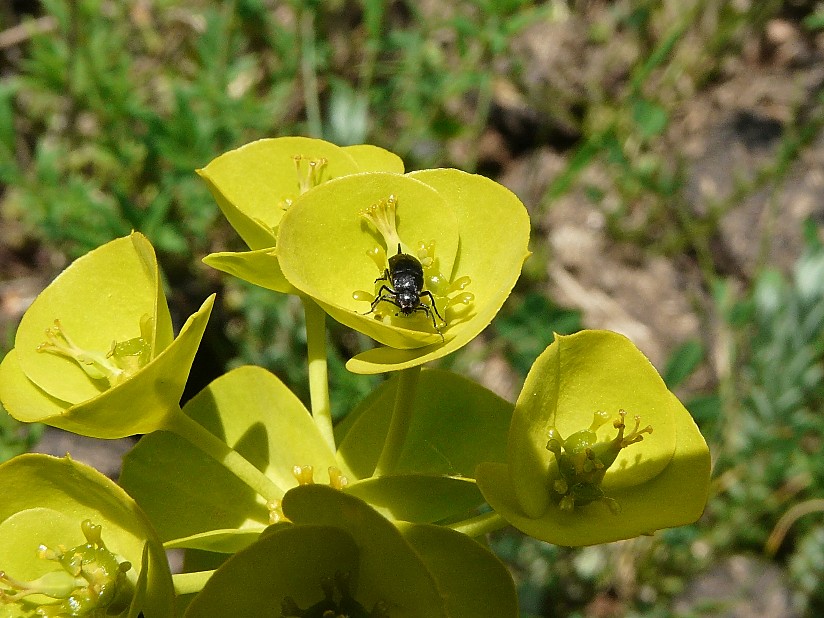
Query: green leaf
point(290, 562)
point(389, 570)
point(475, 582)
point(456, 424)
point(250, 183)
point(650, 117)
point(374, 159)
point(218, 541)
point(258, 416)
point(683, 361)
point(178, 505)
point(419, 498)
point(260, 267)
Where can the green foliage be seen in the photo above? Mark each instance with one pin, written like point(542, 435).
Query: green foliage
point(122, 104)
point(119, 131)
point(529, 326)
point(15, 437)
point(772, 426)
point(683, 362)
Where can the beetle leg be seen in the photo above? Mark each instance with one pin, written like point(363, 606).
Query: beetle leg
point(385, 277)
point(426, 309)
point(387, 296)
point(434, 306)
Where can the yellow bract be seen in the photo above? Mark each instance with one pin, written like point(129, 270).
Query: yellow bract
point(658, 482)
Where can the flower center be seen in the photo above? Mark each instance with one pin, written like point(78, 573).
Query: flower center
point(120, 362)
point(583, 461)
point(91, 580)
point(424, 288)
point(305, 475)
point(331, 606)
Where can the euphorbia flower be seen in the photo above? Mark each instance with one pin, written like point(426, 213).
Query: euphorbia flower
point(95, 353)
point(468, 233)
point(599, 450)
point(255, 184)
point(339, 557)
point(73, 543)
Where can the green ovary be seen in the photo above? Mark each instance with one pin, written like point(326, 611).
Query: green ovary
point(583, 461)
point(89, 582)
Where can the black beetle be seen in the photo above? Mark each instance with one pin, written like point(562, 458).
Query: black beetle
point(405, 275)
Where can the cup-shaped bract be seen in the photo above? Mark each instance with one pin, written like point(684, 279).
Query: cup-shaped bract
point(49, 504)
point(599, 449)
point(95, 352)
point(340, 555)
point(255, 184)
point(256, 414)
point(466, 235)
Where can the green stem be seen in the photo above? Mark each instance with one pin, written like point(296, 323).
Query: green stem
point(400, 422)
point(318, 371)
point(221, 452)
point(480, 524)
point(189, 583)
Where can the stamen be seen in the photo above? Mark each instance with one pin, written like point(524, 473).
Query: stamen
point(121, 360)
point(337, 480)
point(382, 216)
point(310, 172)
point(636, 435)
point(304, 475)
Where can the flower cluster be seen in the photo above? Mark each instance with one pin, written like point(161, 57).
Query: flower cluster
point(371, 517)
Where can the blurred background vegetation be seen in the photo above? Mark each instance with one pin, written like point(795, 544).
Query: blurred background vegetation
point(670, 153)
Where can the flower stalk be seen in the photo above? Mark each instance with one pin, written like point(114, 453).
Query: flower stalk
point(400, 422)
